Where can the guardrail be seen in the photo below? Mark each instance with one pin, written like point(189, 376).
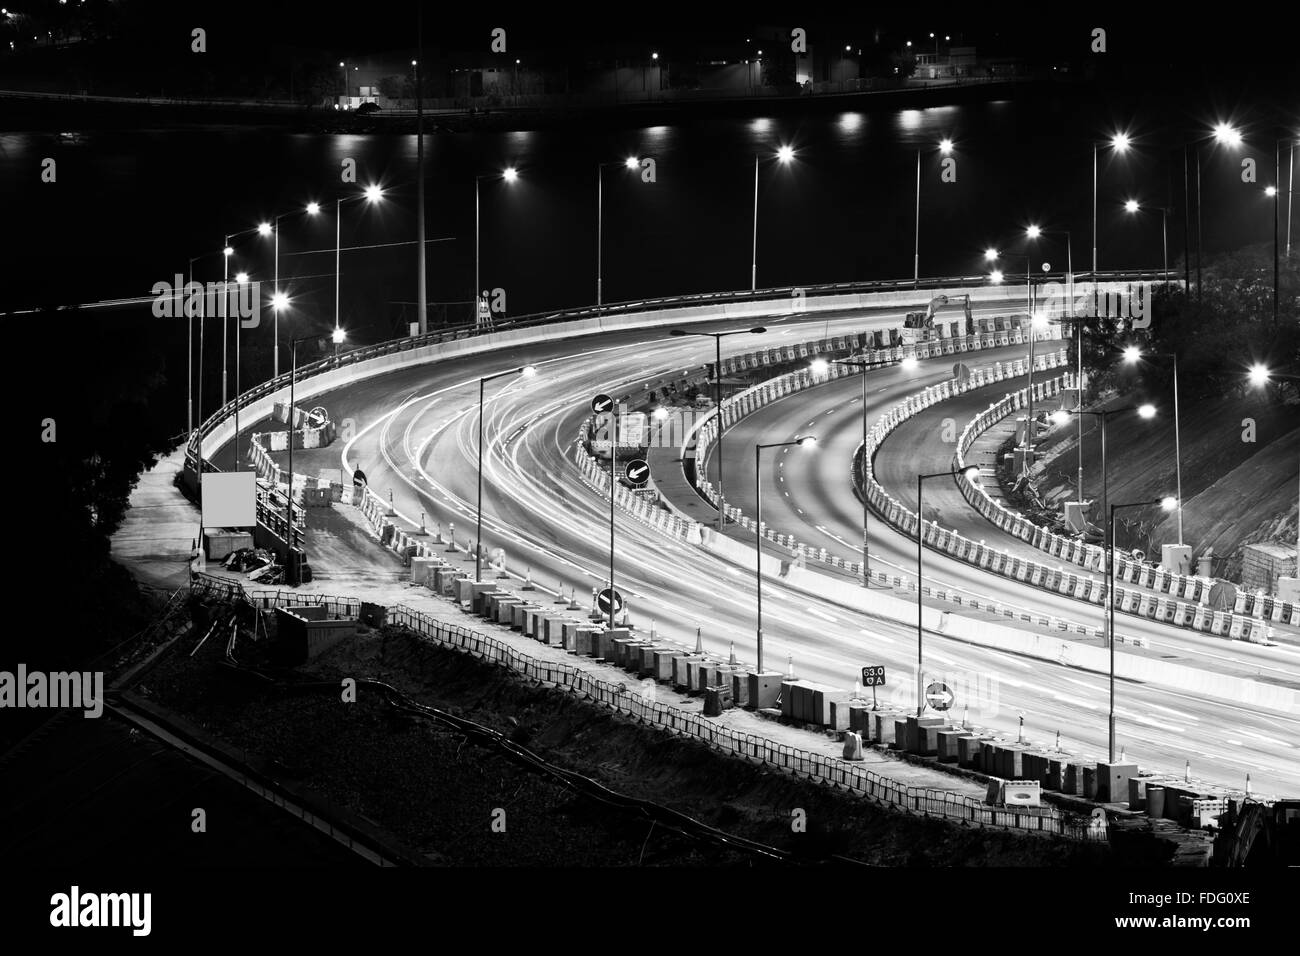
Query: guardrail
point(760, 750)
point(796, 294)
point(1128, 569)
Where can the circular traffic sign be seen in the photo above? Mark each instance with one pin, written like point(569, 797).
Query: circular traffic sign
point(637, 471)
point(938, 696)
point(604, 597)
point(601, 403)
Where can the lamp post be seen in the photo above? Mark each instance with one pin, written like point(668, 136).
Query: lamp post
point(804, 440)
point(1033, 233)
point(509, 174)
point(1132, 355)
point(290, 568)
point(527, 371)
point(1144, 411)
point(1260, 375)
point(1168, 504)
point(1133, 206)
point(945, 147)
point(992, 255)
point(783, 155)
point(717, 399)
point(371, 194)
point(630, 163)
point(970, 473)
point(1119, 142)
point(863, 366)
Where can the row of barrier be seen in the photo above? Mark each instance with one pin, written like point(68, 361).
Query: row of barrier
point(1188, 596)
point(1128, 569)
point(799, 763)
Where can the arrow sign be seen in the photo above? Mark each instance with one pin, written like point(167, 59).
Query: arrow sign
point(938, 696)
point(601, 404)
point(604, 597)
point(873, 675)
point(637, 471)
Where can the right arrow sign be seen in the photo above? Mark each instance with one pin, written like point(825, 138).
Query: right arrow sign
point(938, 696)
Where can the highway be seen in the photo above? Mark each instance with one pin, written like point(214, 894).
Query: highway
point(809, 494)
point(415, 430)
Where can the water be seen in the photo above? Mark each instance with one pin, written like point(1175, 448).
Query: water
point(129, 209)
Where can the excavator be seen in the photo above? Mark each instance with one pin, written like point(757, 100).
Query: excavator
point(1259, 834)
point(918, 327)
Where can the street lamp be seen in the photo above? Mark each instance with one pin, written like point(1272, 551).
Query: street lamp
point(1168, 504)
point(850, 363)
point(1132, 355)
point(527, 371)
point(717, 399)
point(806, 441)
point(371, 194)
point(1133, 206)
point(971, 472)
point(509, 174)
point(1034, 232)
point(1119, 143)
point(784, 155)
point(240, 278)
point(945, 147)
point(291, 568)
point(630, 163)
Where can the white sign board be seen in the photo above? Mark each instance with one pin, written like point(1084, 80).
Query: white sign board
point(230, 499)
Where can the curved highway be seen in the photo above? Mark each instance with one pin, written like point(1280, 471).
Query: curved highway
point(415, 432)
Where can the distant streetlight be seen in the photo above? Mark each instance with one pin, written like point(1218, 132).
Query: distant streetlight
point(509, 174)
point(241, 277)
point(804, 440)
point(371, 194)
point(1133, 355)
point(1119, 143)
point(945, 146)
point(631, 163)
point(717, 399)
point(784, 155)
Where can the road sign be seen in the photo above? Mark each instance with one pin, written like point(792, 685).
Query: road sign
point(601, 404)
point(938, 696)
point(961, 372)
point(873, 675)
point(603, 599)
point(637, 471)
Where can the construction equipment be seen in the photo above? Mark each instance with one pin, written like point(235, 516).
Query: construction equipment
point(918, 327)
point(1259, 834)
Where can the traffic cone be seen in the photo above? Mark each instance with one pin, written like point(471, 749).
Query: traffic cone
point(559, 595)
point(451, 536)
point(1121, 754)
point(790, 669)
point(964, 722)
point(1248, 785)
point(654, 633)
point(528, 581)
point(699, 639)
point(1187, 773)
point(731, 658)
point(437, 532)
point(573, 600)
